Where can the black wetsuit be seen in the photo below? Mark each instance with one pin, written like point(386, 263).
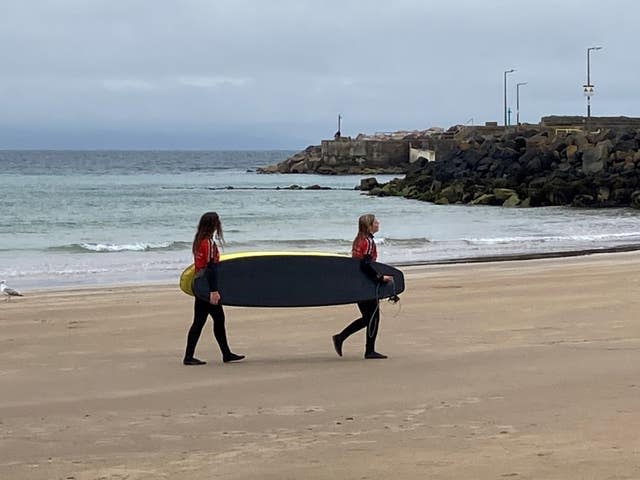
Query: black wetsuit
point(365, 249)
point(202, 309)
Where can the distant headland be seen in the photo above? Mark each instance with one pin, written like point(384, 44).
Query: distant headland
point(559, 161)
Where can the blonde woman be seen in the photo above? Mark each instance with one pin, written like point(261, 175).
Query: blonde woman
point(364, 249)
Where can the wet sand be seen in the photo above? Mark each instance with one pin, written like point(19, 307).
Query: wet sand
point(522, 369)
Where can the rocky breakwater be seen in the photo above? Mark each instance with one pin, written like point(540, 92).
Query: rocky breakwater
point(535, 167)
point(306, 161)
point(362, 155)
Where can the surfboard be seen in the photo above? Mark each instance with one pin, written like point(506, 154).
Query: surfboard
point(292, 279)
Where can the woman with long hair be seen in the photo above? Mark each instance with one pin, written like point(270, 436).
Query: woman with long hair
point(206, 256)
point(364, 248)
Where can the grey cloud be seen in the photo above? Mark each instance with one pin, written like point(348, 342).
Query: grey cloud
point(286, 68)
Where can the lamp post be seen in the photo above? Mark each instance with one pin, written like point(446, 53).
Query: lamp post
point(518, 101)
point(588, 88)
point(505, 94)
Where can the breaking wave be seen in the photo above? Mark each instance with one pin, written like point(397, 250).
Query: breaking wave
point(117, 247)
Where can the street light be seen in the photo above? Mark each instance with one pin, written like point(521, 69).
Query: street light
point(505, 94)
point(588, 88)
point(518, 101)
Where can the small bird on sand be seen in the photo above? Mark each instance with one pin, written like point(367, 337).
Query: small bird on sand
point(8, 291)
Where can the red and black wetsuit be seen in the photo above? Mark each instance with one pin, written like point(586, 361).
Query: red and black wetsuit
point(206, 252)
point(205, 259)
point(365, 249)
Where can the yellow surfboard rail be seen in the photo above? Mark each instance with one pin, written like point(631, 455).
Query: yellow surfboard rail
point(186, 277)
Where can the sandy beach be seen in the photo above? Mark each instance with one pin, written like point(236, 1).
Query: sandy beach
point(522, 369)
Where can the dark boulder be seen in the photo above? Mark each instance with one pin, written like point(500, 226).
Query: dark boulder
point(535, 167)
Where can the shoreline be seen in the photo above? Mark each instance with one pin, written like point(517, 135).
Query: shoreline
point(453, 261)
point(524, 256)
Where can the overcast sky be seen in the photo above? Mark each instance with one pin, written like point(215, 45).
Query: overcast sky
point(274, 74)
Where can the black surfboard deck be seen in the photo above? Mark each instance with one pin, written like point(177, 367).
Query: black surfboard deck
point(297, 280)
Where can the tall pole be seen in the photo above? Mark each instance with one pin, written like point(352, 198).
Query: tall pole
point(588, 88)
point(505, 95)
point(518, 101)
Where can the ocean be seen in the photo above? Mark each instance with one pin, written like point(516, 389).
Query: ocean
point(80, 218)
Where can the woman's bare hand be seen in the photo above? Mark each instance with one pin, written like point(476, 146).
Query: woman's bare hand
point(214, 298)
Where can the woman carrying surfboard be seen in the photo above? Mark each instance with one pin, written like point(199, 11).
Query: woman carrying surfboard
point(206, 257)
point(364, 248)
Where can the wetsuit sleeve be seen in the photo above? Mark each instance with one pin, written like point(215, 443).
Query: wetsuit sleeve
point(366, 264)
point(202, 261)
point(362, 250)
point(212, 276)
